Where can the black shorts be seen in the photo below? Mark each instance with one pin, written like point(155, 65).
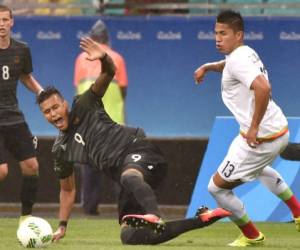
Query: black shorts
point(148, 159)
point(18, 140)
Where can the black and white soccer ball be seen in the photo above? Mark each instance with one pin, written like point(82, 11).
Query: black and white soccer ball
point(35, 232)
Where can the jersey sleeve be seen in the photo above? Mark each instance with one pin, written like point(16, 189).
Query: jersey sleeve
point(27, 69)
point(84, 103)
point(89, 99)
point(245, 68)
point(62, 168)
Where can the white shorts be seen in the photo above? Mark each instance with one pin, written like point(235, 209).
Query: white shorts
point(245, 163)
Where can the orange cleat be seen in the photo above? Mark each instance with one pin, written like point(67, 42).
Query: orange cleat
point(151, 221)
point(206, 215)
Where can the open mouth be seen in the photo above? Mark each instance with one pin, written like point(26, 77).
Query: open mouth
point(58, 122)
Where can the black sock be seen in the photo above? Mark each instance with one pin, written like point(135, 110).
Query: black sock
point(142, 192)
point(28, 193)
point(146, 236)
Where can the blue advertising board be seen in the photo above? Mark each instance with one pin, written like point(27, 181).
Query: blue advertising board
point(261, 204)
point(161, 55)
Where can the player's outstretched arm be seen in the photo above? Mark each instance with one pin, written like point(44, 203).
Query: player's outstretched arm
point(107, 66)
point(31, 83)
point(203, 69)
point(67, 198)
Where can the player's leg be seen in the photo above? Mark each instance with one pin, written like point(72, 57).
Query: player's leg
point(145, 235)
point(225, 197)
point(241, 164)
point(144, 167)
point(276, 184)
point(133, 181)
point(142, 223)
point(3, 171)
point(127, 204)
point(3, 160)
point(29, 168)
point(23, 146)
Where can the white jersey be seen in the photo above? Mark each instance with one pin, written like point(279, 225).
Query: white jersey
point(242, 66)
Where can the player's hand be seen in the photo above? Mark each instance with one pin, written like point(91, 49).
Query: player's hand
point(59, 233)
point(251, 137)
point(92, 48)
point(199, 74)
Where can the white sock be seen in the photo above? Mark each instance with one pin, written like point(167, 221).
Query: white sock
point(226, 199)
point(271, 179)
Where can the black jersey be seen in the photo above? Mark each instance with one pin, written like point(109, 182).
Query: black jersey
point(14, 61)
point(92, 137)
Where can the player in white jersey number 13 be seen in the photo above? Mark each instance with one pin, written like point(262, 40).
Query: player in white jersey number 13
point(246, 92)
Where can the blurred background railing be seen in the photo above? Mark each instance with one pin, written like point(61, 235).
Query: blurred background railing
point(153, 7)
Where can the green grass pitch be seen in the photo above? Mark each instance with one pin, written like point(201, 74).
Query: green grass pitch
point(90, 234)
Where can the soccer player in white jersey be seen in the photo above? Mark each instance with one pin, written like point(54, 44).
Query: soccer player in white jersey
point(246, 92)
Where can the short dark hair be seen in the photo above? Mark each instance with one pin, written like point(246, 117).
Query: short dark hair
point(47, 93)
point(232, 18)
point(5, 8)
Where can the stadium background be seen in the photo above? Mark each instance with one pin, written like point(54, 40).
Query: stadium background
point(161, 55)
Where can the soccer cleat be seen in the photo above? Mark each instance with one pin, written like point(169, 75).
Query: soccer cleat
point(243, 241)
point(147, 220)
point(297, 222)
point(206, 215)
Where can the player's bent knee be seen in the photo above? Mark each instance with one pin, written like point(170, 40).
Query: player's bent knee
point(212, 188)
point(128, 178)
point(3, 171)
point(30, 167)
point(131, 172)
point(30, 171)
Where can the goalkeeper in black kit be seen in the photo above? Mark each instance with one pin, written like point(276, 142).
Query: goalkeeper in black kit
point(88, 135)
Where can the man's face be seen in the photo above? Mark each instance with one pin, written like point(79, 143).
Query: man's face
point(6, 23)
point(227, 39)
point(55, 110)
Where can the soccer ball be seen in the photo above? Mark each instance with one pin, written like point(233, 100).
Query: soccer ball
point(34, 232)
